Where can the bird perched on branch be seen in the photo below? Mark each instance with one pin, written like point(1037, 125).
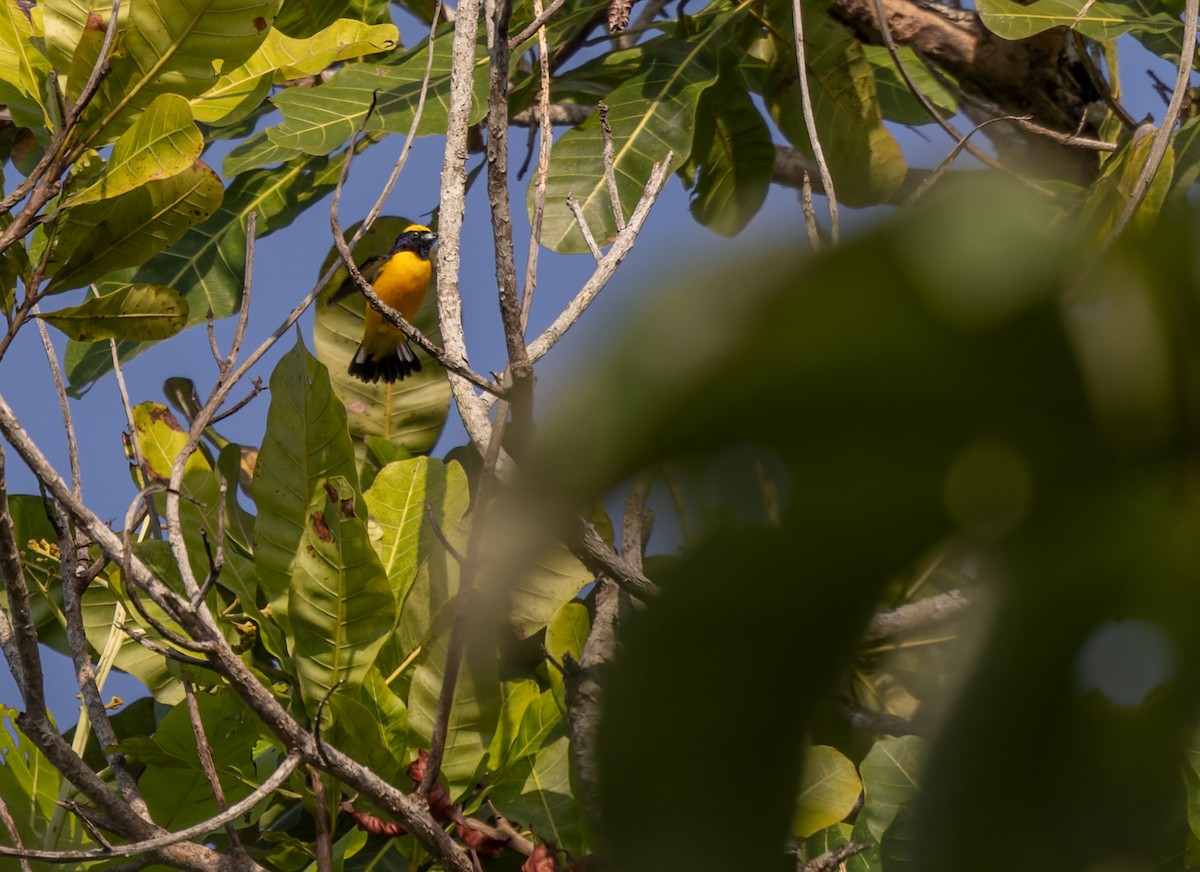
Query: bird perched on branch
point(400, 278)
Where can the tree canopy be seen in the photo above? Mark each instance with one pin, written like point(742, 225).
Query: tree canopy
point(924, 587)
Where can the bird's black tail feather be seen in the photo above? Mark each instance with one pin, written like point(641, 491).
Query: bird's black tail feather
point(389, 368)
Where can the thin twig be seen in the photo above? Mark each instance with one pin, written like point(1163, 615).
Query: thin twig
point(540, 175)
point(810, 214)
point(204, 751)
point(810, 121)
point(63, 405)
point(539, 20)
point(14, 834)
point(610, 170)
point(85, 674)
point(573, 205)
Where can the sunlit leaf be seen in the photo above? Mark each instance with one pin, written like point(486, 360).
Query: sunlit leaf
point(281, 57)
point(163, 142)
point(319, 120)
point(829, 790)
point(1100, 21)
point(164, 48)
point(891, 776)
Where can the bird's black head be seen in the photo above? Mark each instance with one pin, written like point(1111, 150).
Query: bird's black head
point(415, 238)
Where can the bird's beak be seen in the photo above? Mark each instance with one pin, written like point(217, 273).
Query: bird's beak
point(429, 237)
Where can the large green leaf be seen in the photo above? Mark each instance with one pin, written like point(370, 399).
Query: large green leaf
point(1095, 19)
point(369, 722)
point(398, 501)
point(473, 715)
point(547, 584)
point(319, 120)
point(23, 68)
point(98, 238)
point(891, 776)
point(409, 413)
point(829, 790)
point(163, 142)
point(734, 157)
point(528, 715)
point(140, 312)
point(339, 602)
point(208, 264)
point(306, 445)
point(652, 113)
point(864, 158)
point(174, 784)
point(536, 791)
point(165, 47)
point(280, 58)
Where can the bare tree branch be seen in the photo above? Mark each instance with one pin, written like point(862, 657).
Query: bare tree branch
point(810, 121)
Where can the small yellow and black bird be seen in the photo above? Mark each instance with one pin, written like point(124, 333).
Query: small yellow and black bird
point(400, 278)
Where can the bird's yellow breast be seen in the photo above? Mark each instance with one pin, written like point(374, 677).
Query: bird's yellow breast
point(402, 282)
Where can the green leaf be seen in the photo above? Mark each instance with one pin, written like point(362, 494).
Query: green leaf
point(527, 718)
point(473, 715)
point(143, 312)
point(1114, 190)
point(23, 68)
point(320, 120)
point(280, 58)
point(301, 18)
point(829, 790)
point(339, 603)
point(652, 113)
point(896, 101)
point(864, 158)
point(255, 152)
point(100, 602)
point(30, 784)
point(174, 785)
point(1095, 19)
point(370, 723)
point(208, 264)
point(160, 438)
point(398, 500)
point(410, 413)
point(165, 48)
point(891, 776)
point(537, 793)
point(98, 238)
point(306, 444)
point(547, 584)
point(734, 156)
point(163, 142)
